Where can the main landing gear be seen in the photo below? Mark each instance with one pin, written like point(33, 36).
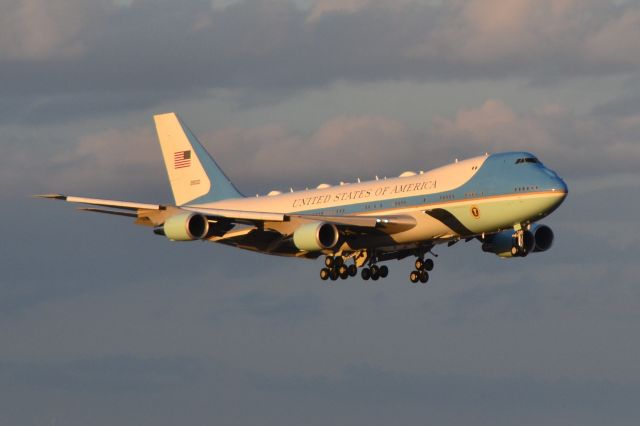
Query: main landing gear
point(336, 268)
point(421, 273)
point(375, 272)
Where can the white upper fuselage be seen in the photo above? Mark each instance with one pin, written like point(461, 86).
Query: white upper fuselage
point(332, 200)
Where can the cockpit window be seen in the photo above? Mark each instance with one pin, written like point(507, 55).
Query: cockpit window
point(528, 160)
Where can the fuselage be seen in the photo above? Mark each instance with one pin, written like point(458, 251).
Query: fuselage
point(480, 195)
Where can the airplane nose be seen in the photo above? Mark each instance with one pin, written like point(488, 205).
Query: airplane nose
point(556, 183)
point(561, 186)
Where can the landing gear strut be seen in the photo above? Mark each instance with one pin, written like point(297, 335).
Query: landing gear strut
point(522, 243)
point(335, 268)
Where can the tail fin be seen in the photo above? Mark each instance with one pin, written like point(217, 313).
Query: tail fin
point(194, 176)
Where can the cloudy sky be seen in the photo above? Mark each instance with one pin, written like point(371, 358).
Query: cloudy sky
point(104, 323)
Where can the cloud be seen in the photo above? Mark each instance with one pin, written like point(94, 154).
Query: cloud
point(477, 399)
point(624, 106)
point(577, 145)
point(148, 51)
point(111, 162)
point(320, 8)
point(123, 373)
point(493, 125)
point(120, 157)
point(614, 41)
point(574, 144)
point(343, 146)
point(37, 30)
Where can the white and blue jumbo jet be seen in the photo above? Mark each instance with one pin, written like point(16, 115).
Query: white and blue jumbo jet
point(496, 199)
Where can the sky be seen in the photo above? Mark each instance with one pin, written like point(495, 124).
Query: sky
point(103, 323)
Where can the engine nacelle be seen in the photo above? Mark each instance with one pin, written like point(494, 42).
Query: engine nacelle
point(543, 236)
point(316, 236)
point(186, 227)
point(537, 239)
point(503, 243)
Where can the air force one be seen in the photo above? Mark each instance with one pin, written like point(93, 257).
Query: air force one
point(496, 199)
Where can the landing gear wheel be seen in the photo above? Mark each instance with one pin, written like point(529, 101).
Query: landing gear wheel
point(324, 274)
point(338, 261)
point(424, 277)
point(428, 265)
point(384, 271)
point(353, 270)
point(375, 272)
point(343, 272)
point(328, 261)
point(333, 275)
point(514, 251)
point(419, 264)
point(414, 276)
point(366, 273)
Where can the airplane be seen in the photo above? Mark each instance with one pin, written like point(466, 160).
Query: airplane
point(496, 199)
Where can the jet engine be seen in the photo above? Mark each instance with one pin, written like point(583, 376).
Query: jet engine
point(186, 227)
point(505, 244)
point(316, 236)
point(543, 236)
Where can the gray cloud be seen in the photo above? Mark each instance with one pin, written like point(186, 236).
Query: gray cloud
point(289, 309)
point(147, 51)
point(122, 373)
point(577, 145)
point(365, 385)
point(625, 106)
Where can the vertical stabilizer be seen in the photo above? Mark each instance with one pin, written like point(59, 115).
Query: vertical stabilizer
point(194, 176)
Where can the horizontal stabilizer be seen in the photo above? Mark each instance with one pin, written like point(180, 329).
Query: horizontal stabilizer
point(103, 203)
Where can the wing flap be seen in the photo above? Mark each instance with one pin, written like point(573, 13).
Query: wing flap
point(240, 216)
point(390, 224)
point(113, 212)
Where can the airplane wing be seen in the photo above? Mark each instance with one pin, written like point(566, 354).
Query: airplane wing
point(156, 214)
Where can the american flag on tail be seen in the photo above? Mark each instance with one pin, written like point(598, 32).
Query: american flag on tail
point(181, 159)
